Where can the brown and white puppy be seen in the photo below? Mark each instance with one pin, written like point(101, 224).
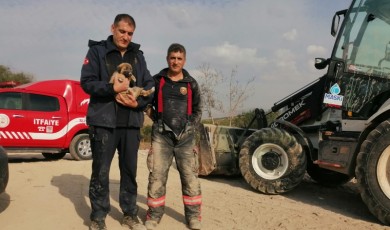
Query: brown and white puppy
point(125, 70)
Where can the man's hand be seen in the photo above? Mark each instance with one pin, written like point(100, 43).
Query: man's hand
point(127, 100)
point(121, 83)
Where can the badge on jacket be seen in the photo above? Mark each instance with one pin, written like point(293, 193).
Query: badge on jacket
point(183, 90)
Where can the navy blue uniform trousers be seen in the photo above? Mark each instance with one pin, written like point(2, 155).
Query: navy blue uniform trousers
point(104, 143)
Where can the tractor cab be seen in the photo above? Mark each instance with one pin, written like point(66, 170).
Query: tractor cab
point(359, 70)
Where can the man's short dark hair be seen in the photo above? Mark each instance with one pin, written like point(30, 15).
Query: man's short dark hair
point(176, 47)
point(124, 17)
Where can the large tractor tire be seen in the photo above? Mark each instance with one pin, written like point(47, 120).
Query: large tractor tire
point(80, 147)
point(326, 177)
point(272, 161)
point(373, 172)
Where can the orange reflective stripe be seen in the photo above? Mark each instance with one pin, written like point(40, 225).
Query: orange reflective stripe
point(154, 203)
point(192, 200)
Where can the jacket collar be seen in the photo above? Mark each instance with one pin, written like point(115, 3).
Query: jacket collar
point(110, 46)
point(186, 75)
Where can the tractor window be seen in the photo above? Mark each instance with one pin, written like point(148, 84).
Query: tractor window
point(364, 44)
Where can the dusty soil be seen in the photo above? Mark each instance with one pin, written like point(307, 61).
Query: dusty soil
point(54, 195)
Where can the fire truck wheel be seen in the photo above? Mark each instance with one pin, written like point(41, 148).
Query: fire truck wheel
point(54, 156)
point(80, 147)
point(272, 161)
point(326, 177)
point(373, 172)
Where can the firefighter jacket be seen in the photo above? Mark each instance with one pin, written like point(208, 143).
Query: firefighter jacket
point(95, 76)
point(181, 102)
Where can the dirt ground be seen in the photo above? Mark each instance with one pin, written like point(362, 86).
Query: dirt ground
point(54, 195)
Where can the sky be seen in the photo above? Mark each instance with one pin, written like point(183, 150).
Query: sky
point(273, 42)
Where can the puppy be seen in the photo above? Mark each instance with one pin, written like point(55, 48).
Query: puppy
point(126, 70)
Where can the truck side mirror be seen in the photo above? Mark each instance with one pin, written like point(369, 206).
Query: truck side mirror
point(321, 63)
point(336, 22)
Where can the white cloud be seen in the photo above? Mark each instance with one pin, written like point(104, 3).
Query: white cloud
point(180, 16)
point(284, 54)
point(290, 35)
point(285, 60)
point(234, 54)
point(316, 50)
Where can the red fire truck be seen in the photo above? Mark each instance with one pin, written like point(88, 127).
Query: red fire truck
point(46, 117)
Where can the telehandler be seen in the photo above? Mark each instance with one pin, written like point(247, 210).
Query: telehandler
point(335, 128)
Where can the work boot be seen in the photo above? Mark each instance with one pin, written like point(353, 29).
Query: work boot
point(194, 224)
point(97, 225)
point(151, 224)
point(133, 223)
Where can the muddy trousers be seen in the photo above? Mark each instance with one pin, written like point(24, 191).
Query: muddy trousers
point(104, 143)
point(164, 148)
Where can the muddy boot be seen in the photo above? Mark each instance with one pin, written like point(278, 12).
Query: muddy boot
point(132, 222)
point(97, 225)
point(194, 223)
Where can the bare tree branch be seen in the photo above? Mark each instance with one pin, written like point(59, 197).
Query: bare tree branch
point(208, 81)
point(237, 94)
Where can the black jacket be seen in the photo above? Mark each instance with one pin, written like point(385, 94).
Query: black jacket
point(95, 76)
point(175, 101)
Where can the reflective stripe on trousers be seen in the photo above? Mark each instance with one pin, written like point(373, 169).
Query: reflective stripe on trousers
point(154, 203)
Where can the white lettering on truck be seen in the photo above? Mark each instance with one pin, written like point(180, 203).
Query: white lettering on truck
point(38, 121)
point(42, 136)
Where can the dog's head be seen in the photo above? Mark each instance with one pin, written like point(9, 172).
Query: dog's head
point(125, 69)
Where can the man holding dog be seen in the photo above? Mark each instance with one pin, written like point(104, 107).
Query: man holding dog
point(177, 105)
point(115, 119)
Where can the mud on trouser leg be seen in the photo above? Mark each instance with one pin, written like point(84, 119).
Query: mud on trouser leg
point(156, 208)
point(188, 167)
point(159, 161)
point(192, 199)
point(192, 207)
point(102, 143)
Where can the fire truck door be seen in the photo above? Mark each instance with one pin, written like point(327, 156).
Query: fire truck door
point(46, 123)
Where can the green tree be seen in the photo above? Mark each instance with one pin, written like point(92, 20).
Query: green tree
point(7, 75)
point(243, 120)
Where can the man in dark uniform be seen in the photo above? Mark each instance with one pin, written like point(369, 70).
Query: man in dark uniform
point(177, 107)
point(115, 119)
